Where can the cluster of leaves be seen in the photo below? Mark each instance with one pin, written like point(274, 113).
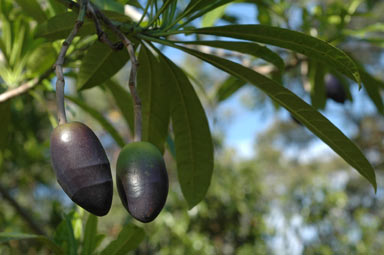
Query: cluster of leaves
point(173, 116)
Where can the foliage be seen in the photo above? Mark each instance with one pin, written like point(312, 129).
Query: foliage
point(291, 41)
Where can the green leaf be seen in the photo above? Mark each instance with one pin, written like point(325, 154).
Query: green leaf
point(153, 89)
point(303, 112)
point(129, 239)
point(193, 141)
point(99, 64)
point(293, 40)
point(59, 27)
point(32, 9)
point(372, 86)
point(6, 237)
point(5, 113)
point(211, 17)
point(100, 118)
point(72, 243)
point(228, 87)
point(123, 101)
point(41, 59)
point(90, 235)
point(110, 5)
point(252, 49)
point(316, 78)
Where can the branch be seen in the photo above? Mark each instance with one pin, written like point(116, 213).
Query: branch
point(133, 73)
point(24, 87)
point(21, 211)
point(60, 82)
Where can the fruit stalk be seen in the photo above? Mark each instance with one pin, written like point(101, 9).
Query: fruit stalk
point(60, 82)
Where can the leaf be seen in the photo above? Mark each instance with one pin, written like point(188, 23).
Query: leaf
point(228, 87)
point(41, 59)
point(110, 5)
point(6, 237)
point(70, 235)
point(99, 64)
point(124, 102)
point(252, 49)
point(100, 118)
point(90, 235)
point(5, 113)
point(372, 85)
point(318, 94)
point(59, 27)
point(129, 239)
point(303, 112)
point(293, 40)
point(153, 89)
point(32, 9)
point(211, 17)
point(193, 141)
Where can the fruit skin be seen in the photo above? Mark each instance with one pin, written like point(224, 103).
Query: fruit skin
point(335, 89)
point(82, 167)
point(142, 180)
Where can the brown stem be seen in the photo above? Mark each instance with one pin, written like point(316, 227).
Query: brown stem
point(60, 82)
point(21, 211)
point(23, 88)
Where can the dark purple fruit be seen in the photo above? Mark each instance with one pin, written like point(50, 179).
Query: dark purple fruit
point(142, 180)
point(82, 167)
point(335, 89)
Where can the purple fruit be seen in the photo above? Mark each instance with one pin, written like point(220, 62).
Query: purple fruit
point(142, 180)
point(82, 167)
point(335, 89)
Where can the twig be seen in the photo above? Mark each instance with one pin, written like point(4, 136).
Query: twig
point(24, 87)
point(102, 36)
point(133, 73)
point(21, 211)
point(60, 82)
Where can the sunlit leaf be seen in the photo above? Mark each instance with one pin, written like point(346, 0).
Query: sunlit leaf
point(90, 235)
point(293, 40)
point(129, 239)
point(193, 142)
point(123, 101)
point(33, 9)
point(99, 64)
point(6, 237)
point(303, 112)
point(153, 88)
point(252, 49)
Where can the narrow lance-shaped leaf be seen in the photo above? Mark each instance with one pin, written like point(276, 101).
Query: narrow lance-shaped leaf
point(316, 78)
point(99, 64)
point(33, 9)
point(129, 239)
point(249, 48)
point(293, 40)
point(303, 112)
point(6, 237)
point(90, 235)
point(372, 85)
point(100, 118)
point(193, 142)
point(123, 101)
point(228, 87)
point(153, 88)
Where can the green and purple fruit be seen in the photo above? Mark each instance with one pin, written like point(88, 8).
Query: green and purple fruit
point(142, 180)
point(82, 167)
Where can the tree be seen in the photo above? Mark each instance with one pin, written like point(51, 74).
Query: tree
point(163, 106)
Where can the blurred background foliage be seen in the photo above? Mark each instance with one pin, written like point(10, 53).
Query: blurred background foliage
point(285, 199)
